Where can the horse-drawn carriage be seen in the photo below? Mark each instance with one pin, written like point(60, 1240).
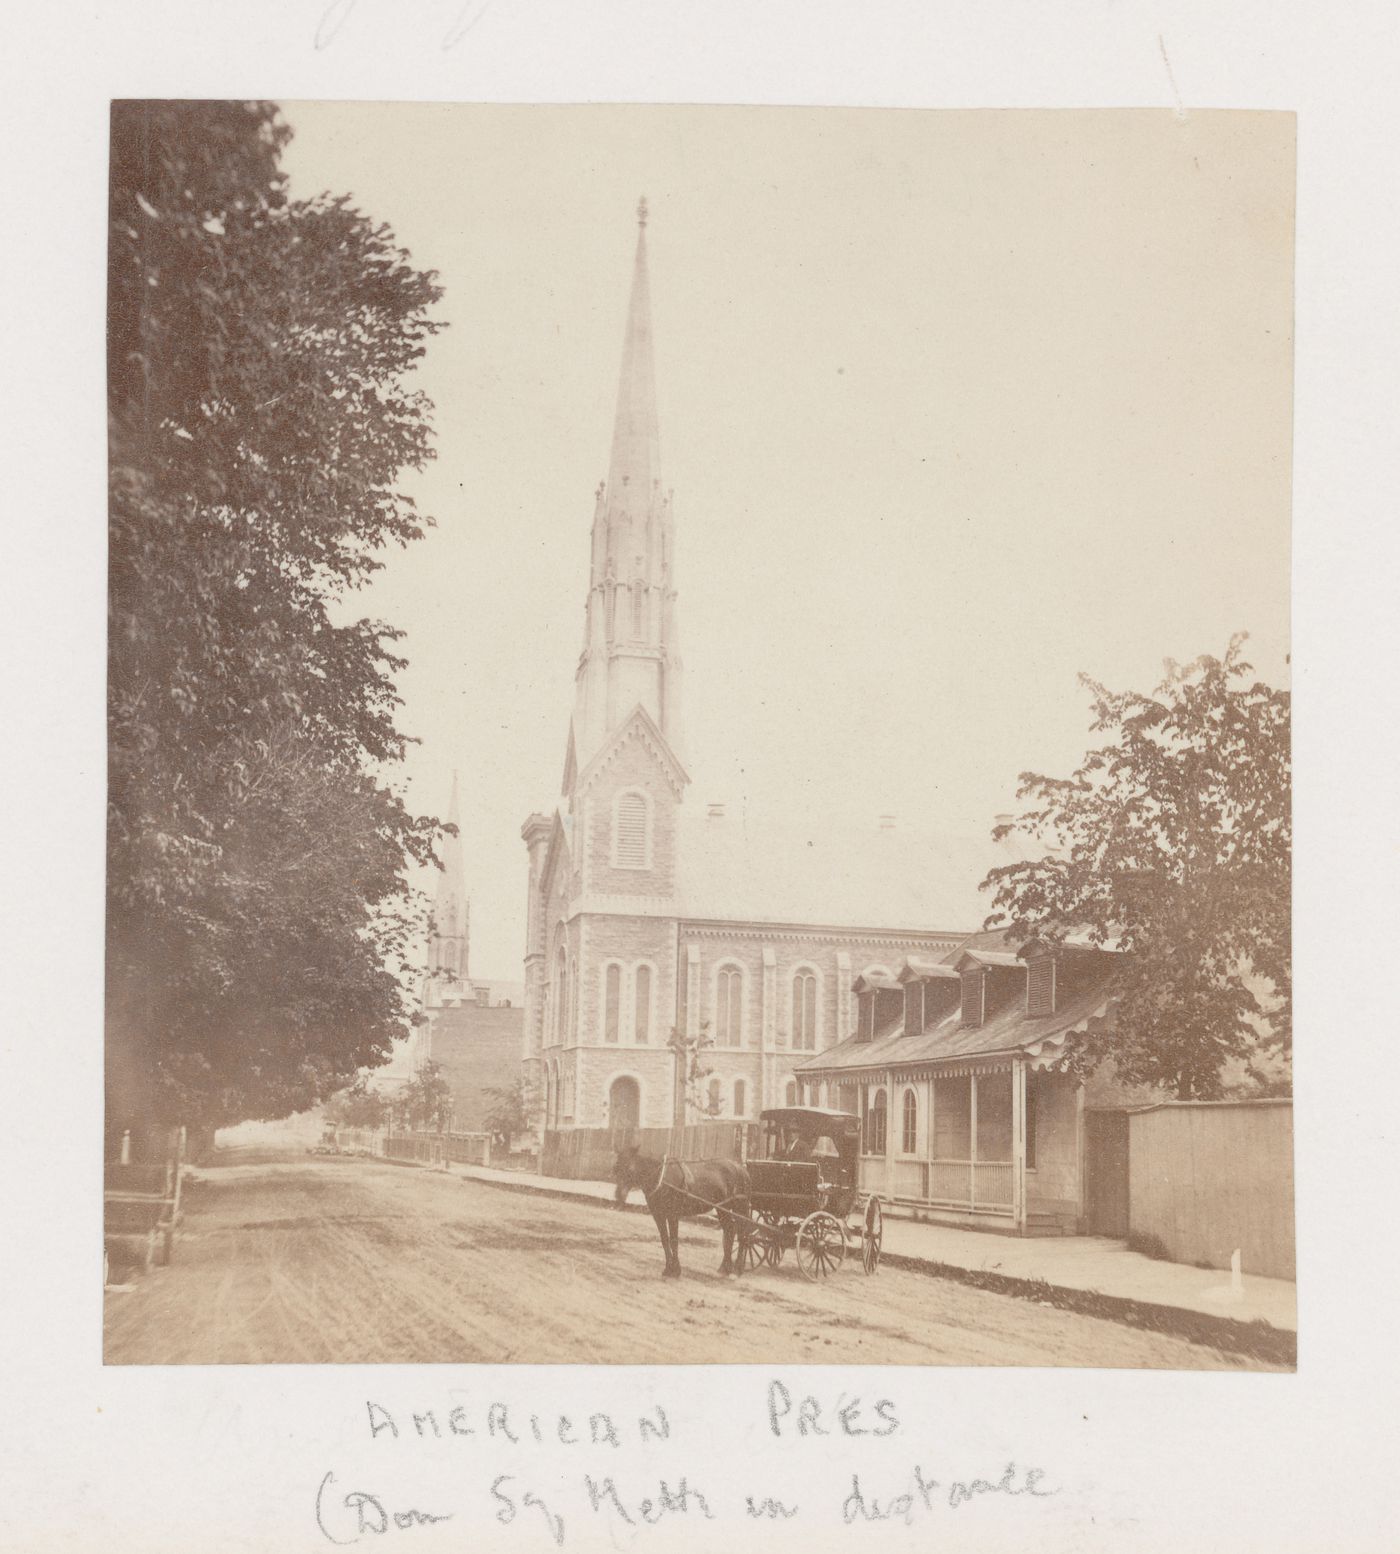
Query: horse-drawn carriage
point(804, 1194)
point(800, 1194)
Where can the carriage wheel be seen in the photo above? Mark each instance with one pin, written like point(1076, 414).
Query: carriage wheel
point(760, 1242)
point(872, 1236)
point(821, 1245)
point(748, 1250)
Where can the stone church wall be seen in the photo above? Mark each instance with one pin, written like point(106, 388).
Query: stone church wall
point(633, 767)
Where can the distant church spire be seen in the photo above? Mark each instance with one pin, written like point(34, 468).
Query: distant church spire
point(447, 956)
point(629, 651)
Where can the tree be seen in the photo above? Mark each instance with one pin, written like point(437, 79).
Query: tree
point(359, 1106)
point(691, 1070)
point(425, 1102)
point(1171, 842)
point(259, 915)
point(509, 1114)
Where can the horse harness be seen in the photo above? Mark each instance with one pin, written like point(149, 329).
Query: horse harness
point(683, 1191)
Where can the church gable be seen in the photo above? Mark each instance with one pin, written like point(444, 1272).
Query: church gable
point(625, 808)
point(636, 732)
point(556, 876)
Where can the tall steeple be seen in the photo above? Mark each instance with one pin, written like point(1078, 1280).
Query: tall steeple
point(447, 954)
point(629, 648)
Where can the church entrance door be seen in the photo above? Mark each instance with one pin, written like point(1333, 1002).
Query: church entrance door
point(624, 1105)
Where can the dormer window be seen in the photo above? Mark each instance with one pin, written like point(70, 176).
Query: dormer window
point(865, 1028)
point(1040, 986)
point(914, 1007)
point(974, 996)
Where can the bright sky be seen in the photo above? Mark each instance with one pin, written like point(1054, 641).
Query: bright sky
point(955, 405)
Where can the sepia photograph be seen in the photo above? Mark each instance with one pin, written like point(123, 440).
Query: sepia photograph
point(699, 736)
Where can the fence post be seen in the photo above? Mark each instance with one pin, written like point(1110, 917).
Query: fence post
point(486, 1150)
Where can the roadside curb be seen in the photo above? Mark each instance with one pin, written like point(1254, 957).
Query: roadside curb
point(1257, 1339)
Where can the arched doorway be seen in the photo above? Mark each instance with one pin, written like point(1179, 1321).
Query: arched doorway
point(624, 1104)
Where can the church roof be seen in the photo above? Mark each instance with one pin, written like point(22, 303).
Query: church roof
point(794, 873)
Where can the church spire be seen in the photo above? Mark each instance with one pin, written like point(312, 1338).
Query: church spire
point(629, 651)
point(636, 463)
point(447, 955)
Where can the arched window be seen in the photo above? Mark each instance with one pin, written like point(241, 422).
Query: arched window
point(612, 1001)
point(641, 1027)
point(740, 1098)
point(875, 1124)
point(631, 831)
point(716, 1105)
point(638, 599)
point(909, 1132)
point(571, 1026)
point(790, 1095)
point(549, 1096)
point(804, 1011)
point(729, 1006)
point(560, 996)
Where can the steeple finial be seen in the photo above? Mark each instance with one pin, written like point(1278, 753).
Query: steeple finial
point(642, 211)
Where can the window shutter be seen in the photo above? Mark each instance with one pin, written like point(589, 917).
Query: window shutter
point(972, 998)
point(632, 831)
point(1040, 986)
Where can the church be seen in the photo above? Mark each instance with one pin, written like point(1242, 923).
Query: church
point(651, 921)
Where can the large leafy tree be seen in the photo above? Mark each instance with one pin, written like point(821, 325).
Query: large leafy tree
point(1172, 843)
point(425, 1102)
point(260, 418)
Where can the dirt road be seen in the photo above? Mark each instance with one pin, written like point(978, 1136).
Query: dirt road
point(305, 1261)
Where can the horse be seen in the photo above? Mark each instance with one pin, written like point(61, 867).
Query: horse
point(684, 1189)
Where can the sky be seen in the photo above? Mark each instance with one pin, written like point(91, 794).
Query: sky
point(955, 406)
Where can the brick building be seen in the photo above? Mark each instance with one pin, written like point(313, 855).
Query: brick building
point(471, 1028)
point(646, 917)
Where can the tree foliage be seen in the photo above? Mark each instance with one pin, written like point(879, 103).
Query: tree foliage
point(509, 1115)
point(425, 1102)
point(260, 418)
point(359, 1106)
point(1171, 842)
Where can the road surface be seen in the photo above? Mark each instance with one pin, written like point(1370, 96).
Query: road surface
point(313, 1260)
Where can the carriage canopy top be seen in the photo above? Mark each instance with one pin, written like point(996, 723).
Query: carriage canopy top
point(803, 1118)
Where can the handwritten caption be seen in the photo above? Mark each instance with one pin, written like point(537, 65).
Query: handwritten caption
point(634, 1497)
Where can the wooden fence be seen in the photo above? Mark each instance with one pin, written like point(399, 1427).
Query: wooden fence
point(587, 1154)
point(439, 1148)
point(1208, 1177)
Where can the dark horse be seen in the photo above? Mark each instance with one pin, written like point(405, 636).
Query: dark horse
point(682, 1189)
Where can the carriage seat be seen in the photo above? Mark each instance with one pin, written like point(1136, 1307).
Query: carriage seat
point(784, 1188)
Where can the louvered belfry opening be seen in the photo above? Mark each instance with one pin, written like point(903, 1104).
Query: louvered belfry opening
point(632, 831)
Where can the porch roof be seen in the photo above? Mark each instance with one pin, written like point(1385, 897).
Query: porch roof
point(1008, 1030)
